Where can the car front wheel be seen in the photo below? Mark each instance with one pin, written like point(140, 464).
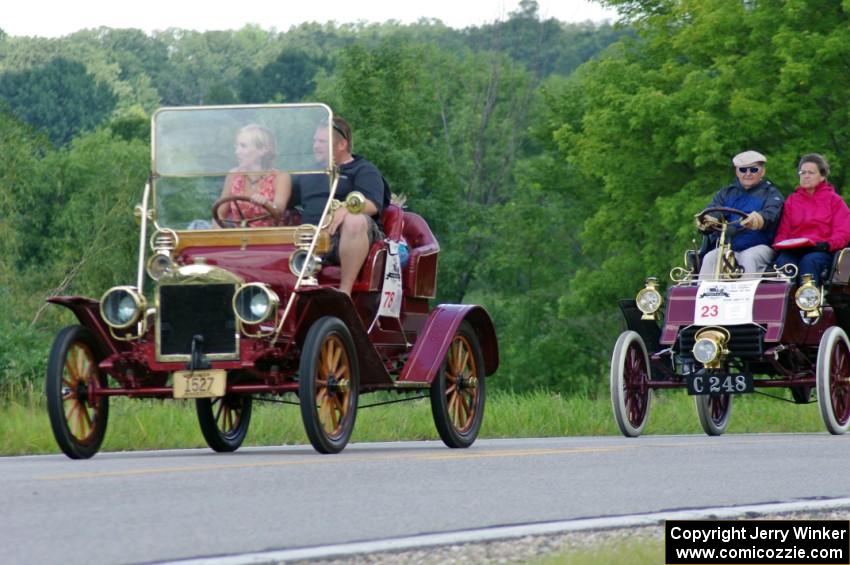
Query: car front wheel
point(833, 380)
point(714, 412)
point(78, 416)
point(328, 384)
point(629, 383)
point(224, 420)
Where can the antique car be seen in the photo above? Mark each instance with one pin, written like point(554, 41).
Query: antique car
point(728, 333)
point(229, 307)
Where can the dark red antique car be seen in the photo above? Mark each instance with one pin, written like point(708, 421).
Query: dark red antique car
point(731, 333)
point(243, 310)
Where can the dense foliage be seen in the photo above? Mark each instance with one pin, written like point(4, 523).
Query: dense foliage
point(558, 164)
point(60, 97)
point(653, 124)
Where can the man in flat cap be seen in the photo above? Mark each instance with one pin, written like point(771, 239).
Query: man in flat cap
point(753, 235)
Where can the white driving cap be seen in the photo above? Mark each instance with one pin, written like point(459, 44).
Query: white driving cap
point(748, 158)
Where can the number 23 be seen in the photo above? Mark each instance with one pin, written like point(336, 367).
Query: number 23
point(709, 311)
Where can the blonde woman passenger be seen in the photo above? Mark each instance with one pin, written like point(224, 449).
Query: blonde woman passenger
point(254, 177)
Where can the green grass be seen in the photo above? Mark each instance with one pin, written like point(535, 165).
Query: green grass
point(635, 552)
point(160, 424)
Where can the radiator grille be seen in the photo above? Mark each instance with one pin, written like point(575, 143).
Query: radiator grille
point(197, 309)
point(746, 341)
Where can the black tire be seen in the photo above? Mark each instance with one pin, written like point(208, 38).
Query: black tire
point(714, 413)
point(328, 385)
point(631, 396)
point(458, 390)
point(78, 425)
point(832, 378)
point(224, 420)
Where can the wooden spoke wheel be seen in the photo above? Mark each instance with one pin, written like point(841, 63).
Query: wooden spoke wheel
point(224, 420)
point(714, 412)
point(833, 380)
point(328, 384)
point(629, 384)
point(77, 414)
point(457, 392)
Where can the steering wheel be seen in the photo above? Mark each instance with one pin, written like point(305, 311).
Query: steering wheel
point(271, 212)
point(717, 226)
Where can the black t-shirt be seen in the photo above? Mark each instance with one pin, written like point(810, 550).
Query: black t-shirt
point(311, 191)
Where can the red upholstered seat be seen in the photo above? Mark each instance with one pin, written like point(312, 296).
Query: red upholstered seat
point(420, 275)
point(392, 221)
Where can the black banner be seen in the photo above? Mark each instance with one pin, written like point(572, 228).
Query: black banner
point(762, 542)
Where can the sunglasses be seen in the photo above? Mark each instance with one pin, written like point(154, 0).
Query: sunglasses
point(339, 130)
point(744, 170)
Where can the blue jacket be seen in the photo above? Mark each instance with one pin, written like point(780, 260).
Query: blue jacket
point(763, 198)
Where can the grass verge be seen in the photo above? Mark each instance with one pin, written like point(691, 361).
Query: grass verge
point(157, 424)
point(634, 552)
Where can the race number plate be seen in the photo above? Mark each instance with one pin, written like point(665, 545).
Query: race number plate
point(725, 303)
point(719, 384)
point(391, 292)
point(199, 384)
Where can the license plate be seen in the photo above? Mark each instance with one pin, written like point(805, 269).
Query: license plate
point(719, 383)
point(199, 384)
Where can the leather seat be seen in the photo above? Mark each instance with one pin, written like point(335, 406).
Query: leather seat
point(419, 277)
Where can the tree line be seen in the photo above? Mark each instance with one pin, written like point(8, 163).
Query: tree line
point(558, 165)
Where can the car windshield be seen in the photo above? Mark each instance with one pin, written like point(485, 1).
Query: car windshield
point(194, 149)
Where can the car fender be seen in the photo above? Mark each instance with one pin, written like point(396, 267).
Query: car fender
point(648, 330)
point(315, 302)
point(433, 341)
point(87, 312)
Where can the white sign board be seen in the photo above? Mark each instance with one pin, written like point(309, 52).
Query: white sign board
point(725, 303)
point(391, 291)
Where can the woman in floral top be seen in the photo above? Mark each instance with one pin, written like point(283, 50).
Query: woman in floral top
point(255, 178)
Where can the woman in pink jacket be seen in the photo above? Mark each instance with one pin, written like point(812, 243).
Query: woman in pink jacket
point(815, 221)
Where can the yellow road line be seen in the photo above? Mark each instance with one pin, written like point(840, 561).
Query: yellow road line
point(324, 460)
point(446, 455)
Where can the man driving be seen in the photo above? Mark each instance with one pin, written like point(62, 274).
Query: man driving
point(752, 236)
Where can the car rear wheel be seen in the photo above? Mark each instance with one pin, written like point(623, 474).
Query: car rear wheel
point(714, 412)
point(78, 417)
point(458, 392)
point(224, 420)
point(328, 385)
point(833, 380)
point(629, 383)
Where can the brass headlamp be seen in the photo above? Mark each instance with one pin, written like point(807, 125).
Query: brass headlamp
point(163, 243)
point(808, 297)
point(710, 346)
point(255, 303)
point(649, 299)
point(122, 307)
point(299, 260)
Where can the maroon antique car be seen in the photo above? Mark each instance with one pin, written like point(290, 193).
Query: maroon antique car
point(229, 308)
point(730, 333)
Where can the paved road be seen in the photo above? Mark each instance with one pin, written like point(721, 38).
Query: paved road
point(149, 506)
